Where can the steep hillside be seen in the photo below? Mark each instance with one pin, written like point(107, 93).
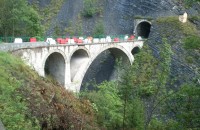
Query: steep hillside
point(30, 102)
point(183, 38)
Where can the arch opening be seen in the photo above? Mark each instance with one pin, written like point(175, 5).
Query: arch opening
point(143, 29)
point(135, 50)
point(107, 66)
point(55, 67)
point(78, 60)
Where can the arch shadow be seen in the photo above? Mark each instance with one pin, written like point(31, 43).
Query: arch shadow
point(118, 52)
point(78, 60)
point(55, 65)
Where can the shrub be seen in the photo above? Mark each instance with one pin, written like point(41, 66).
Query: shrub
point(90, 8)
point(99, 29)
point(189, 59)
point(192, 42)
point(107, 103)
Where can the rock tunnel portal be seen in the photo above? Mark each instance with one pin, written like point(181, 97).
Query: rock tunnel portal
point(143, 29)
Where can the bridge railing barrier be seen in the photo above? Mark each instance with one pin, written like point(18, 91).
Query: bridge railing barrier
point(74, 39)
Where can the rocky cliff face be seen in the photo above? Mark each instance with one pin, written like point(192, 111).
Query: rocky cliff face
point(185, 63)
point(117, 15)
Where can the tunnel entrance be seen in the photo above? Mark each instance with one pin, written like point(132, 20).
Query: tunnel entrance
point(55, 67)
point(143, 29)
point(105, 68)
point(79, 59)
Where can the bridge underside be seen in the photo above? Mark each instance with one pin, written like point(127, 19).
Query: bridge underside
point(55, 67)
point(107, 66)
point(78, 59)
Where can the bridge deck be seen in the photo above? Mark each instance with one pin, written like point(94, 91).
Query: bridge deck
point(17, 46)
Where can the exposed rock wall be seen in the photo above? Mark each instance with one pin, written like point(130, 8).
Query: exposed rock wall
point(181, 70)
point(118, 15)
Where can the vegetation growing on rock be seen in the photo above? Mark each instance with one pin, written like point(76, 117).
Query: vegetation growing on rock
point(90, 8)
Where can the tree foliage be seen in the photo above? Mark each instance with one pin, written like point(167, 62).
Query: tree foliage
point(184, 106)
point(99, 29)
point(107, 104)
point(90, 8)
point(192, 42)
point(19, 19)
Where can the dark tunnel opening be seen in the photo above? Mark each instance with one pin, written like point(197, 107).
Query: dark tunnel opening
point(143, 29)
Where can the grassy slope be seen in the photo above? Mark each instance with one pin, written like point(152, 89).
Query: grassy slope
point(12, 106)
point(28, 101)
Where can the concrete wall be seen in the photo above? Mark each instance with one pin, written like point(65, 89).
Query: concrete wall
point(15, 46)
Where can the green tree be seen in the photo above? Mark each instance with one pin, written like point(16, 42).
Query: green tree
point(145, 81)
point(108, 105)
point(184, 106)
point(19, 19)
point(162, 75)
point(134, 84)
point(90, 8)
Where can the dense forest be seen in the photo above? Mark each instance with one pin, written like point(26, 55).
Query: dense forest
point(160, 91)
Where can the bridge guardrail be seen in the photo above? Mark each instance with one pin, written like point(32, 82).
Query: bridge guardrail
point(77, 39)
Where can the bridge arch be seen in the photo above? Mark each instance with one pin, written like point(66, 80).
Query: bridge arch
point(116, 50)
point(55, 65)
point(135, 50)
point(143, 28)
point(79, 58)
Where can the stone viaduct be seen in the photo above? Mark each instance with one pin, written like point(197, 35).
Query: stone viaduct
point(69, 63)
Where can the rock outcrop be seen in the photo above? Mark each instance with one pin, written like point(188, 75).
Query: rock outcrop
point(117, 15)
